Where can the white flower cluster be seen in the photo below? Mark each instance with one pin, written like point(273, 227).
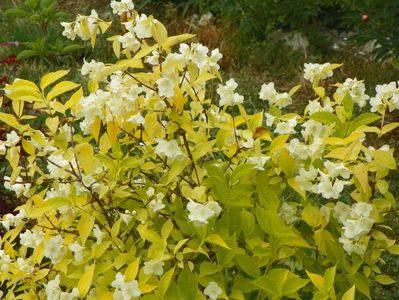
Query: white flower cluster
point(328, 183)
point(120, 100)
point(83, 27)
point(5, 261)
point(19, 187)
point(227, 94)
point(387, 97)
point(269, 93)
point(317, 106)
point(201, 213)
point(120, 7)
point(125, 290)
point(198, 54)
point(356, 223)
point(12, 139)
point(54, 292)
point(54, 249)
point(316, 72)
point(10, 220)
point(31, 239)
point(356, 89)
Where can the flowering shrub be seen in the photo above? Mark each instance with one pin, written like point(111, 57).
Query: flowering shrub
point(146, 186)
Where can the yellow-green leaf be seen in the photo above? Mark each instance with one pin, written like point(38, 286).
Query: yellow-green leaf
point(85, 281)
point(132, 270)
point(217, 240)
point(350, 294)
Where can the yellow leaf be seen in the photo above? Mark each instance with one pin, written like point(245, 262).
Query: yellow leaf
point(93, 36)
point(28, 147)
point(85, 155)
point(217, 240)
point(320, 91)
point(18, 107)
point(51, 78)
point(74, 100)
point(150, 235)
point(132, 270)
point(349, 294)
point(61, 88)
point(10, 120)
point(52, 124)
point(116, 45)
point(86, 280)
point(85, 227)
point(389, 127)
point(146, 288)
point(112, 130)
point(159, 32)
point(177, 39)
point(317, 280)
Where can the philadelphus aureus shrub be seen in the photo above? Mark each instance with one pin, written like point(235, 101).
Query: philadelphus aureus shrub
point(146, 184)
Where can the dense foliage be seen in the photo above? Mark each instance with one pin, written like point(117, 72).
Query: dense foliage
point(149, 185)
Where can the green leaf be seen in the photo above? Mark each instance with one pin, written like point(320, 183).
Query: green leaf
point(348, 105)
point(384, 159)
point(240, 171)
point(164, 282)
point(249, 264)
point(216, 240)
point(384, 279)
point(188, 285)
point(325, 117)
point(280, 282)
point(27, 53)
point(287, 163)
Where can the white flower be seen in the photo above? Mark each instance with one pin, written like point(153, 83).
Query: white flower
point(11, 220)
point(316, 72)
point(361, 209)
point(297, 149)
point(306, 178)
point(24, 266)
point(213, 291)
point(54, 249)
point(137, 119)
point(156, 205)
point(143, 26)
point(153, 267)
point(53, 290)
point(31, 239)
point(355, 228)
point(150, 192)
point(351, 246)
point(77, 250)
point(69, 31)
point(19, 187)
point(227, 94)
point(129, 41)
point(56, 165)
point(337, 169)
point(120, 7)
point(12, 138)
point(205, 19)
point(170, 149)
point(126, 217)
point(286, 127)
point(387, 96)
point(93, 69)
point(329, 188)
point(3, 149)
point(5, 261)
point(98, 234)
point(341, 211)
point(269, 93)
point(288, 213)
point(269, 119)
point(125, 290)
point(166, 87)
point(258, 161)
point(200, 213)
point(153, 59)
point(356, 90)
